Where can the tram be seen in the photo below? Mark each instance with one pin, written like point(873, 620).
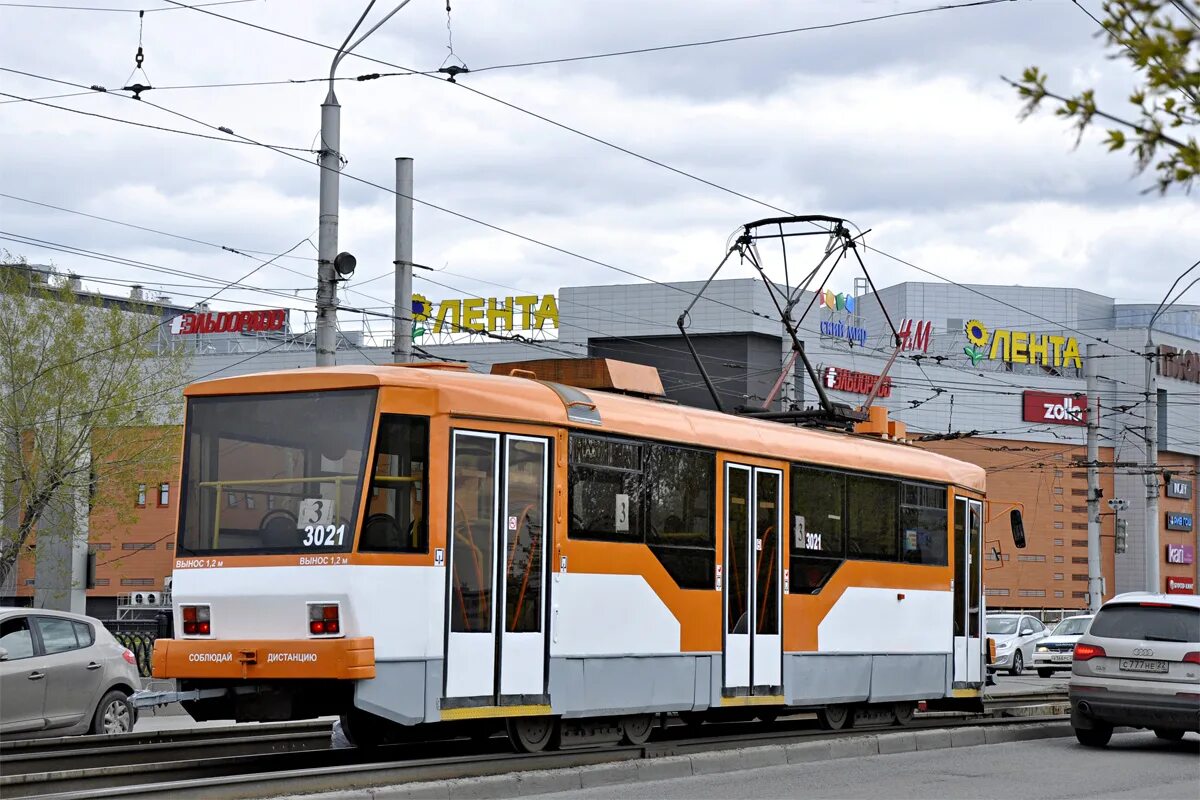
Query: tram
point(558, 551)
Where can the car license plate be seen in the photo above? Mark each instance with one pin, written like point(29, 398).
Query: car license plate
point(1142, 665)
point(1060, 657)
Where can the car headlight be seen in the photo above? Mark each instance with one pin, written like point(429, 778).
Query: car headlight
point(1003, 645)
point(1042, 649)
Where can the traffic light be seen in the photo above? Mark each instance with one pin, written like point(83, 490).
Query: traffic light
point(1122, 539)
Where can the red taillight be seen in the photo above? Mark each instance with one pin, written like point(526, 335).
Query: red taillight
point(1192, 658)
point(324, 619)
point(1156, 605)
point(129, 657)
point(196, 620)
point(1084, 652)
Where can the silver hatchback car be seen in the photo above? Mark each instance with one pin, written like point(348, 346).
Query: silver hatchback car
point(1138, 665)
point(62, 674)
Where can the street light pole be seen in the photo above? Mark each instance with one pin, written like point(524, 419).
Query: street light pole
point(330, 162)
point(1150, 432)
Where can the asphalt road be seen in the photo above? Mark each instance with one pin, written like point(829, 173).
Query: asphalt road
point(1135, 765)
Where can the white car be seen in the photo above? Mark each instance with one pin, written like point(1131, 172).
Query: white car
point(1015, 636)
point(1054, 652)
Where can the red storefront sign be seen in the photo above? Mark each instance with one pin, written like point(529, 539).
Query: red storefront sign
point(915, 334)
point(847, 380)
point(274, 319)
point(1057, 409)
point(1180, 585)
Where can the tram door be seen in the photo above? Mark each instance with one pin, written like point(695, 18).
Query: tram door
point(968, 606)
point(495, 642)
point(753, 570)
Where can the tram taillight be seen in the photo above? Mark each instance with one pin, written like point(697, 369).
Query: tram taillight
point(324, 619)
point(196, 621)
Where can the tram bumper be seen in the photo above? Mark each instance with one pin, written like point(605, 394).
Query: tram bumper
point(265, 660)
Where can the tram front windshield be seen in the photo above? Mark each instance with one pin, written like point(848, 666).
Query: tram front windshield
point(277, 473)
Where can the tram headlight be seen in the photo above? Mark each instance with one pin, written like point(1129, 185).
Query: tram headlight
point(197, 620)
point(324, 619)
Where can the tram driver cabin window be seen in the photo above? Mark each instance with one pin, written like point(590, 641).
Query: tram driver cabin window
point(395, 519)
point(647, 493)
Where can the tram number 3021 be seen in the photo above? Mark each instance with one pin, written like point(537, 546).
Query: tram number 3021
point(324, 535)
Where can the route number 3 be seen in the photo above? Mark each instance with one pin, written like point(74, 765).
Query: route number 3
point(324, 535)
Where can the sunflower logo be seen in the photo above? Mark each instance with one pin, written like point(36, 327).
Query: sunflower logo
point(421, 308)
point(977, 333)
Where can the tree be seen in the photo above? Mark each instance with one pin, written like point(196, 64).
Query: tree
point(1159, 38)
point(84, 391)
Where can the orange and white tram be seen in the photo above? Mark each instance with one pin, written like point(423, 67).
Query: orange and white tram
point(421, 549)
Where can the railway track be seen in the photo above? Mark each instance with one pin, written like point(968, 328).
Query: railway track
point(282, 758)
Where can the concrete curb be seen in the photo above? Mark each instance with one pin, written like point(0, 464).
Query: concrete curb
point(520, 784)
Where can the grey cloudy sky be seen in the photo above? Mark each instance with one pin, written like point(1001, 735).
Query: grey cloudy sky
point(901, 125)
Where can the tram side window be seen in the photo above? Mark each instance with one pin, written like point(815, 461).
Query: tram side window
point(923, 524)
point(395, 521)
point(680, 489)
point(818, 527)
point(605, 489)
point(644, 492)
point(872, 505)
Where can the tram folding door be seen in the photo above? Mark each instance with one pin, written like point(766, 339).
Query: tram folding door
point(753, 570)
point(495, 642)
point(968, 604)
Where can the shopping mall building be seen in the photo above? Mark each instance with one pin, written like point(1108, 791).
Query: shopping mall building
point(994, 375)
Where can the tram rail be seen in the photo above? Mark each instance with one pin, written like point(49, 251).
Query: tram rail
point(283, 762)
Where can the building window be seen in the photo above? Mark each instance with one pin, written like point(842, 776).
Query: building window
point(139, 546)
point(1078, 509)
point(137, 581)
point(170, 545)
point(1079, 492)
point(1078, 576)
point(1058, 473)
point(1058, 576)
point(1078, 559)
point(103, 581)
point(993, 592)
point(1059, 525)
point(164, 495)
point(29, 581)
point(1058, 542)
point(1059, 593)
point(1032, 592)
point(101, 545)
point(1058, 559)
point(1058, 490)
point(1031, 558)
point(1079, 595)
point(1079, 526)
point(141, 495)
point(1079, 543)
point(1058, 507)
point(1058, 456)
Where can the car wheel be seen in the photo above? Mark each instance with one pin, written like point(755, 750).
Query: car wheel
point(1018, 663)
point(1097, 736)
point(1170, 734)
point(113, 715)
point(1045, 673)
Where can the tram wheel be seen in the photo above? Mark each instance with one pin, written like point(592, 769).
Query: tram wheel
point(636, 729)
point(768, 717)
point(835, 718)
point(365, 730)
point(903, 713)
point(532, 734)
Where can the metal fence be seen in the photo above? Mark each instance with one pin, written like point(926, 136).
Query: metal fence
point(138, 636)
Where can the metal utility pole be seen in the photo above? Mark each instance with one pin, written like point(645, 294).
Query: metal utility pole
point(402, 338)
point(1150, 415)
point(330, 161)
point(1095, 565)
